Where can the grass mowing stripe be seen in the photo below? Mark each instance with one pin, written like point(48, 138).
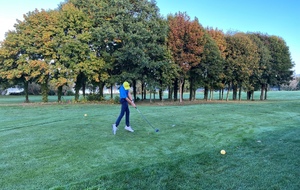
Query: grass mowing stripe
point(39, 124)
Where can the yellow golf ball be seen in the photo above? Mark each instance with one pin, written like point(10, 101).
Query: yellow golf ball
point(223, 152)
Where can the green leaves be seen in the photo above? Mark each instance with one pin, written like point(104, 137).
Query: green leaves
point(241, 60)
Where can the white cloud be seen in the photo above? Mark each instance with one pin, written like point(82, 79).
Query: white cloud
point(7, 23)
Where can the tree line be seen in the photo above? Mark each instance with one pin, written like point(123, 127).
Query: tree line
point(100, 43)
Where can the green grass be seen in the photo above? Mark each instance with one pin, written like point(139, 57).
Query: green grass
point(53, 146)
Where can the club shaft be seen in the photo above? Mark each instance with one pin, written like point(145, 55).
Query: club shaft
point(144, 118)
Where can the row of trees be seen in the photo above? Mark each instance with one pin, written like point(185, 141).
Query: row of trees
point(99, 43)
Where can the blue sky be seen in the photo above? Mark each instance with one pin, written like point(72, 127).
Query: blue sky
point(273, 17)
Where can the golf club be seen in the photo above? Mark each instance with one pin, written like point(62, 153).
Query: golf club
point(156, 130)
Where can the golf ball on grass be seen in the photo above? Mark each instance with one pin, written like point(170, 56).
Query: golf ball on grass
point(223, 152)
point(85, 115)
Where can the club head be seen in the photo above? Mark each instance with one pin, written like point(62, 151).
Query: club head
point(156, 130)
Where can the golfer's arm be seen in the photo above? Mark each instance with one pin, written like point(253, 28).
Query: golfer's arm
point(128, 100)
point(129, 97)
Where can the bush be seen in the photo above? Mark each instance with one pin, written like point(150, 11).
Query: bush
point(51, 93)
point(117, 100)
point(137, 99)
point(70, 93)
point(94, 97)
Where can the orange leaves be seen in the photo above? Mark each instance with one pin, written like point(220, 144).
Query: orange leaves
point(219, 38)
point(117, 40)
point(61, 81)
point(40, 70)
point(39, 65)
point(185, 40)
point(10, 76)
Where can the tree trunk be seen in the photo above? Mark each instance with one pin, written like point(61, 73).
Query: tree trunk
point(266, 91)
point(59, 93)
point(143, 86)
point(249, 95)
point(222, 94)
point(175, 90)
point(262, 91)
point(228, 90)
point(160, 94)
point(101, 86)
point(144, 91)
point(77, 88)
point(111, 91)
point(206, 93)
point(161, 90)
point(182, 90)
point(240, 93)
point(170, 94)
point(83, 89)
point(194, 94)
point(191, 89)
point(234, 92)
point(26, 91)
point(134, 88)
point(211, 94)
point(45, 91)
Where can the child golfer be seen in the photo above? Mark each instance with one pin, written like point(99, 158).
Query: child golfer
point(125, 98)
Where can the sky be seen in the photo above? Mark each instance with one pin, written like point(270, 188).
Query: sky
point(273, 17)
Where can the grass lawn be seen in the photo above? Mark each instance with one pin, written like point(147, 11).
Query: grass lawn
point(54, 146)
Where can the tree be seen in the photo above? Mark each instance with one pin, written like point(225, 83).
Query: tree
point(37, 51)
point(219, 38)
point(59, 71)
point(38, 29)
point(261, 74)
point(278, 67)
point(208, 72)
point(14, 60)
point(129, 35)
point(104, 39)
point(241, 60)
point(142, 54)
point(185, 40)
point(73, 51)
point(281, 61)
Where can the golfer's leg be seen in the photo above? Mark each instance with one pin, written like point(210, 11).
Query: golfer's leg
point(127, 115)
point(123, 108)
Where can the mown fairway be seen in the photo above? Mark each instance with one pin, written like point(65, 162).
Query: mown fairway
point(52, 146)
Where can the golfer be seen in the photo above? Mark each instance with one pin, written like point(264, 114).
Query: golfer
point(125, 98)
